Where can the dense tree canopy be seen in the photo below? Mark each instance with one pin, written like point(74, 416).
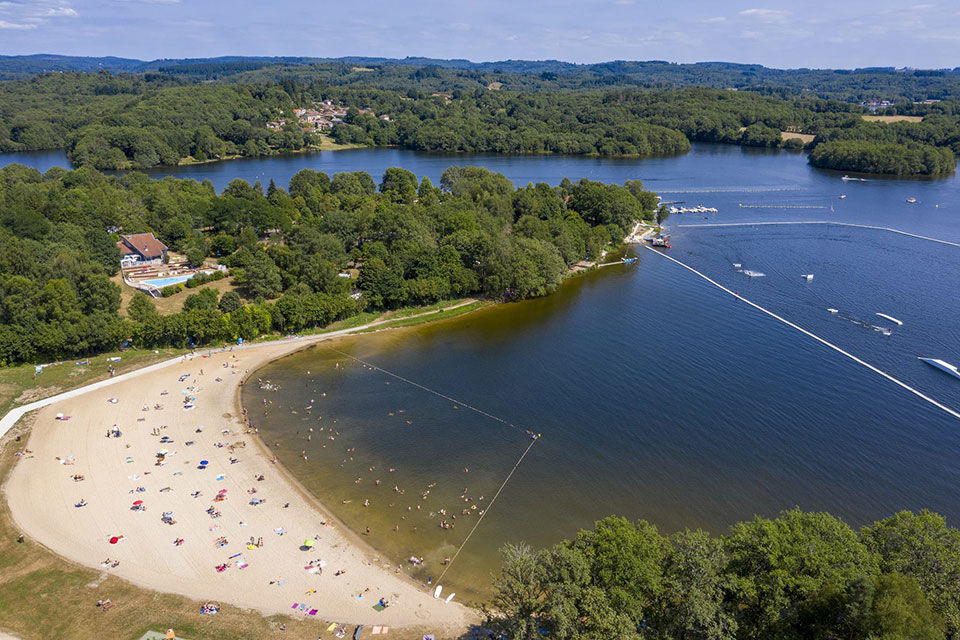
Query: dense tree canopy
point(142, 120)
point(800, 575)
point(403, 242)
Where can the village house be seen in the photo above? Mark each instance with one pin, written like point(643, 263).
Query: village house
point(141, 248)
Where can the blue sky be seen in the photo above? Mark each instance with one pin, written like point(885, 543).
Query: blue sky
point(801, 33)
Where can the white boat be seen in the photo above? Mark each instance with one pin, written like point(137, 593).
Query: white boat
point(842, 196)
point(946, 367)
point(449, 598)
point(737, 265)
point(807, 276)
point(436, 592)
point(833, 310)
point(890, 318)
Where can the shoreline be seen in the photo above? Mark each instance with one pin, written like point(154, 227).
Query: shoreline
point(85, 542)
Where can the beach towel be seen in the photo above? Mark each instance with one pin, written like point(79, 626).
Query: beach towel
point(378, 607)
point(222, 476)
point(313, 612)
point(333, 625)
point(375, 631)
point(295, 605)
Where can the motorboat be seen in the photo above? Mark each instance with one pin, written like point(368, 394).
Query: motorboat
point(944, 366)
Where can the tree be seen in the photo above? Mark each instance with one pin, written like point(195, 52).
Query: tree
point(203, 299)
point(229, 302)
point(923, 547)
point(777, 565)
point(900, 610)
point(691, 605)
point(195, 256)
point(519, 591)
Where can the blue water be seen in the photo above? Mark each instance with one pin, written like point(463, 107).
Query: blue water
point(165, 282)
point(658, 396)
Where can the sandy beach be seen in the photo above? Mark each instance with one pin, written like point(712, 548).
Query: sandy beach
point(242, 537)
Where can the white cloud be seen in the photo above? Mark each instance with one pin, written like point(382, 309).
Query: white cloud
point(152, 1)
point(62, 11)
point(18, 26)
point(765, 15)
point(715, 20)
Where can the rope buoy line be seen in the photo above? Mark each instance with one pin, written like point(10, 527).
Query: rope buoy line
point(827, 222)
point(481, 412)
point(487, 510)
point(733, 190)
point(886, 375)
point(434, 392)
point(781, 206)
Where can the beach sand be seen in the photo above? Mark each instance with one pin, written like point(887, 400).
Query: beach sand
point(42, 495)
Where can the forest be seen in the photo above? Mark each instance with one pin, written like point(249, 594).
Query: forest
point(128, 121)
point(406, 241)
point(883, 157)
point(797, 576)
point(431, 74)
point(138, 120)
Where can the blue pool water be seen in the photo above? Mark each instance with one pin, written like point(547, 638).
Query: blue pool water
point(166, 282)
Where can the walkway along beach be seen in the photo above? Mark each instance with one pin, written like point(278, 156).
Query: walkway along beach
point(186, 500)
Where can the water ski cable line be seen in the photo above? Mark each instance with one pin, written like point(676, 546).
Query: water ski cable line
point(773, 315)
point(487, 510)
point(826, 222)
point(434, 392)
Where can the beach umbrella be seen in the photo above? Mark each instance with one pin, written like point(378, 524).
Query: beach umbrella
point(204, 462)
point(138, 503)
point(115, 539)
point(309, 542)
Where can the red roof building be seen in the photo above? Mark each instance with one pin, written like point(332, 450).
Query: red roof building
point(142, 245)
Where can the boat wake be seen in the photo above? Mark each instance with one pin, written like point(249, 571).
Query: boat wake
point(887, 331)
point(751, 273)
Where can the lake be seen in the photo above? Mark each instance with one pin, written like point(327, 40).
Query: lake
point(658, 396)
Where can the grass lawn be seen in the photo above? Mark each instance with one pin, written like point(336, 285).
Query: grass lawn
point(425, 316)
point(806, 137)
point(893, 118)
point(18, 385)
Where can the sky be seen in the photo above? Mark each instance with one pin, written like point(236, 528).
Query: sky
point(784, 34)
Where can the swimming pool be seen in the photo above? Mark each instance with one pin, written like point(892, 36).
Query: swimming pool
point(166, 282)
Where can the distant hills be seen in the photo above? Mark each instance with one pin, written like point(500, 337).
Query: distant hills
point(20, 66)
point(854, 85)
